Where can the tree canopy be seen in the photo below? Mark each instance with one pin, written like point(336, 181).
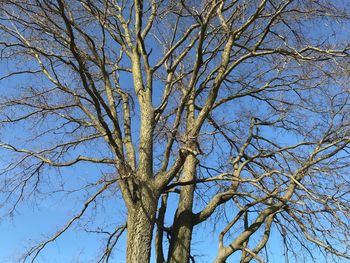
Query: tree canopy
point(232, 114)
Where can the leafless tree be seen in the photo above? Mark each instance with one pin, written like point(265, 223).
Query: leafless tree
point(239, 108)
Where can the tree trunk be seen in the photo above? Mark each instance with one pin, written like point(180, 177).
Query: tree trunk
point(181, 232)
point(180, 246)
point(160, 231)
point(141, 220)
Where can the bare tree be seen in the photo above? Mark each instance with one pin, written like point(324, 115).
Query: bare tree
point(239, 108)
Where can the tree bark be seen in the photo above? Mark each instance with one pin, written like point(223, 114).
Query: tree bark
point(141, 220)
point(180, 246)
point(220, 259)
point(181, 232)
point(160, 231)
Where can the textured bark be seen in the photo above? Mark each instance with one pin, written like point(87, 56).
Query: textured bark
point(160, 231)
point(141, 220)
point(181, 234)
point(181, 241)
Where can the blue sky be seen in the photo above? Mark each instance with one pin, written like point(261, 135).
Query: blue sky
point(77, 246)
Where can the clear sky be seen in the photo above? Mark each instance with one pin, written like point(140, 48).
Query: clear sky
point(77, 246)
